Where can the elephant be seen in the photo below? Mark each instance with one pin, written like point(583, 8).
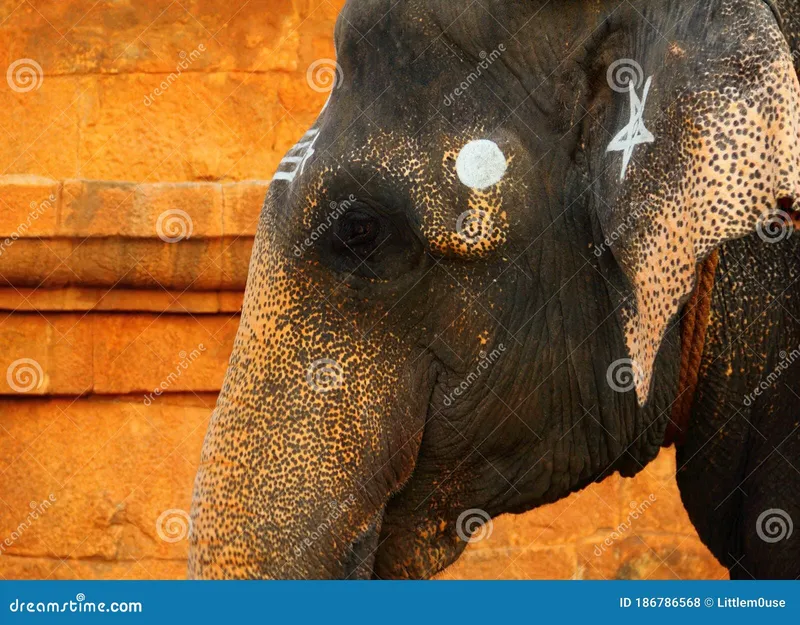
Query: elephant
point(525, 245)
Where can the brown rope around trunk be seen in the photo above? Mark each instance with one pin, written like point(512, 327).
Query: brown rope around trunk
point(693, 339)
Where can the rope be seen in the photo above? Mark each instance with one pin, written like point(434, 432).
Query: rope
point(693, 339)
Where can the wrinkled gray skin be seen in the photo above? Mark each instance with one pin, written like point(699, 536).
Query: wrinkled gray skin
point(395, 371)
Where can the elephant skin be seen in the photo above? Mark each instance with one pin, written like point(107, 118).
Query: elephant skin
point(466, 289)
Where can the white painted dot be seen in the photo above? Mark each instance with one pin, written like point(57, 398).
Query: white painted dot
point(481, 164)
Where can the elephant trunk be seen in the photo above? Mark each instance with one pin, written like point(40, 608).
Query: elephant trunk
point(306, 444)
point(251, 523)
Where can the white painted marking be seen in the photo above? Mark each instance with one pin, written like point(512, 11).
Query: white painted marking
point(330, 93)
point(481, 164)
point(299, 156)
point(635, 133)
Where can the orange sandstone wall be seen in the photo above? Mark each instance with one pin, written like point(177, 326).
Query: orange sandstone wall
point(129, 195)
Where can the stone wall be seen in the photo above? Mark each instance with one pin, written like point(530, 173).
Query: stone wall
point(129, 192)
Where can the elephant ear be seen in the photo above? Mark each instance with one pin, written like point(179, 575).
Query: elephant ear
point(711, 156)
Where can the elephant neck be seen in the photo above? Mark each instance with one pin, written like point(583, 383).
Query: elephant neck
point(694, 324)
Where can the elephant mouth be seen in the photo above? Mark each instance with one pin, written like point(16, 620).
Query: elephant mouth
point(359, 562)
point(364, 557)
point(411, 543)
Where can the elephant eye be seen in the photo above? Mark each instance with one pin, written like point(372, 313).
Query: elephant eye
point(370, 242)
point(357, 233)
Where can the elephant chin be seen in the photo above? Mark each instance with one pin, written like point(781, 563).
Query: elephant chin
point(415, 543)
point(359, 561)
point(408, 555)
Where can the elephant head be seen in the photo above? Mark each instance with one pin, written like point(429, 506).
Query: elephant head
point(463, 290)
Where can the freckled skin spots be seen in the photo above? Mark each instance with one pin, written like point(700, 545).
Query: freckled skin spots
point(732, 157)
point(356, 422)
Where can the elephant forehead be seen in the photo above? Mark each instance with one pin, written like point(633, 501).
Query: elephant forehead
point(457, 188)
